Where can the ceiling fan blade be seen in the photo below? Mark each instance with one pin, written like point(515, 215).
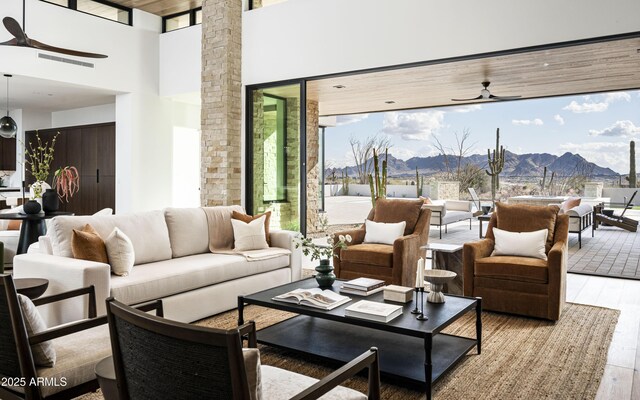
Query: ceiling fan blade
point(504, 97)
point(12, 42)
point(475, 98)
point(42, 46)
point(14, 28)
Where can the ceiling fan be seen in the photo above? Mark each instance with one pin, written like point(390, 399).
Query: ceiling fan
point(21, 39)
point(485, 94)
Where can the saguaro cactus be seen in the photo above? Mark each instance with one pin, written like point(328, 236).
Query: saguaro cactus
point(496, 164)
point(543, 185)
point(419, 183)
point(345, 183)
point(632, 165)
point(378, 185)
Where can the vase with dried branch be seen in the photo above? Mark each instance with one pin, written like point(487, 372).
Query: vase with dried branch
point(38, 157)
point(66, 181)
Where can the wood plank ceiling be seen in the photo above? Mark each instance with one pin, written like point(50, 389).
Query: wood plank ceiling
point(588, 68)
point(161, 7)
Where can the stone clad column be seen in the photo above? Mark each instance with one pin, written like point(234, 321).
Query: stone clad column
point(313, 186)
point(221, 154)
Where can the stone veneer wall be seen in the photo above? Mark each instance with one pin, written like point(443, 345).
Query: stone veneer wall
point(313, 184)
point(445, 190)
point(221, 154)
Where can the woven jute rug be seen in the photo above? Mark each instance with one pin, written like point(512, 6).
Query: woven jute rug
point(521, 358)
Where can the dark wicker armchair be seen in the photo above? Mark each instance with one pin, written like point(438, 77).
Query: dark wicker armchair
point(78, 346)
point(155, 358)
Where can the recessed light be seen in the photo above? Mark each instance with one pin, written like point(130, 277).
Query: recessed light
point(545, 64)
point(339, 86)
point(390, 102)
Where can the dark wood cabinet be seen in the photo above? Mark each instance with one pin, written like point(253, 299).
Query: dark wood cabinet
point(92, 150)
point(7, 154)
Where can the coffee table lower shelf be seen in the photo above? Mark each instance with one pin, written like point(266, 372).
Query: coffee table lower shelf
point(402, 357)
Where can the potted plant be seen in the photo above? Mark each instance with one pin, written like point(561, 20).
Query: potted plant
point(39, 157)
point(66, 182)
point(325, 276)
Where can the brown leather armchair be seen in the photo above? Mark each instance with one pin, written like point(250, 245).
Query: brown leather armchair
point(395, 264)
point(520, 285)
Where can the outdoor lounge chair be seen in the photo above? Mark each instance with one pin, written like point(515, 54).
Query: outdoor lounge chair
point(620, 221)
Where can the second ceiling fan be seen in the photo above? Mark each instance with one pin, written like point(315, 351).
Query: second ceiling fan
point(485, 94)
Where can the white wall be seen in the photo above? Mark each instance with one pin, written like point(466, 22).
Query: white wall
point(84, 116)
point(303, 38)
point(181, 61)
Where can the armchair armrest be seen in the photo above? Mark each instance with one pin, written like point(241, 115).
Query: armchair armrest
point(471, 252)
point(248, 332)
point(286, 240)
point(90, 290)
point(65, 274)
point(357, 237)
point(367, 359)
point(406, 251)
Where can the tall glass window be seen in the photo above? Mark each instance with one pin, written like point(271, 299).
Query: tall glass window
point(275, 155)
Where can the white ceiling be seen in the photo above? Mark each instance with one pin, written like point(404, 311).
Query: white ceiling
point(45, 95)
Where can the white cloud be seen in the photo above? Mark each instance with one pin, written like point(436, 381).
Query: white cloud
point(600, 105)
point(558, 119)
point(350, 119)
point(536, 122)
point(614, 155)
point(466, 109)
point(624, 128)
point(413, 125)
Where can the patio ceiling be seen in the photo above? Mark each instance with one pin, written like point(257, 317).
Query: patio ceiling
point(161, 7)
point(579, 69)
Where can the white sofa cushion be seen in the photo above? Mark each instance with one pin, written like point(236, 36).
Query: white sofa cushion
point(455, 216)
point(147, 230)
point(44, 354)
point(249, 236)
point(188, 231)
point(279, 383)
point(78, 355)
point(165, 278)
point(381, 232)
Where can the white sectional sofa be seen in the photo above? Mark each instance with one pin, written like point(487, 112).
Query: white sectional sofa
point(445, 212)
point(172, 263)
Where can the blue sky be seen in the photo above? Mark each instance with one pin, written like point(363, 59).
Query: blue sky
point(598, 127)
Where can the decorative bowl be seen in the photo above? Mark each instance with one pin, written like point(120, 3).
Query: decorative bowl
point(437, 278)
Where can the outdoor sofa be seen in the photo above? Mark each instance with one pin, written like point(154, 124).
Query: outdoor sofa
point(445, 212)
point(172, 262)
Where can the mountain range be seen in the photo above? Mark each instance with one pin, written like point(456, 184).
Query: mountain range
point(531, 164)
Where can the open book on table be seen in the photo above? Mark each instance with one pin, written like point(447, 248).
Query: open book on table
point(316, 297)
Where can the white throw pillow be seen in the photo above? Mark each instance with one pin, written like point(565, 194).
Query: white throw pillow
point(120, 252)
point(523, 244)
point(381, 232)
point(249, 236)
point(104, 211)
point(44, 354)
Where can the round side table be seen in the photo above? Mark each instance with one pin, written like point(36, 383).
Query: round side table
point(107, 378)
point(31, 287)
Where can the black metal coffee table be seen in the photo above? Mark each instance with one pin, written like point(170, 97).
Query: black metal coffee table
point(411, 351)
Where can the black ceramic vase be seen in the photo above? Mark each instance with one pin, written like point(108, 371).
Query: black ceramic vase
point(31, 207)
point(50, 201)
point(325, 276)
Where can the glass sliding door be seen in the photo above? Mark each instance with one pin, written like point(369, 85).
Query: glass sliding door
point(274, 154)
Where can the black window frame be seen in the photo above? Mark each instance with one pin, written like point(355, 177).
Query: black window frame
point(73, 5)
point(192, 19)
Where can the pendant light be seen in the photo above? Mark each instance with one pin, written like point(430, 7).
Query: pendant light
point(8, 126)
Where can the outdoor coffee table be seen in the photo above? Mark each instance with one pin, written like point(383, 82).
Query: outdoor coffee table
point(411, 351)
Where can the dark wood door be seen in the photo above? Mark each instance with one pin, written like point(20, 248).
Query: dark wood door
point(91, 149)
point(7, 154)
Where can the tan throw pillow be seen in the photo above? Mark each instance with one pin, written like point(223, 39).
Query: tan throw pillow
point(44, 354)
point(252, 369)
point(396, 210)
point(249, 236)
point(526, 218)
point(14, 225)
point(248, 218)
point(569, 203)
point(120, 252)
point(86, 244)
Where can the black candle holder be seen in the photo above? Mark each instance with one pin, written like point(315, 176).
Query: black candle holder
point(416, 310)
point(421, 316)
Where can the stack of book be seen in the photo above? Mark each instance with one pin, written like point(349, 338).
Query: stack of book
point(373, 311)
point(362, 286)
